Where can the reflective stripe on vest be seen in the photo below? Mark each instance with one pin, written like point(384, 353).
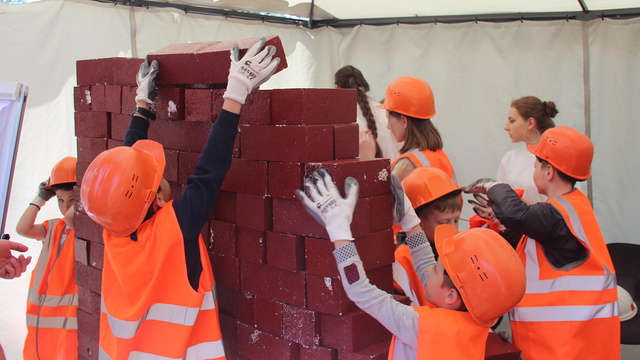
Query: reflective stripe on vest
point(174, 314)
point(420, 156)
point(52, 301)
point(56, 322)
point(207, 350)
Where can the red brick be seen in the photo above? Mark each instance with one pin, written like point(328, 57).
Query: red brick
point(114, 143)
point(180, 135)
point(81, 248)
point(119, 125)
point(317, 353)
point(96, 255)
point(246, 176)
point(170, 103)
point(89, 148)
point(300, 325)
point(251, 245)
point(128, 102)
point(284, 179)
point(268, 315)
point(88, 348)
point(229, 330)
point(285, 251)
point(98, 98)
point(81, 168)
point(186, 165)
point(313, 106)
point(290, 216)
point(346, 141)
point(205, 62)
point(257, 108)
point(226, 271)
point(380, 212)
point(82, 98)
point(171, 166)
point(237, 304)
point(88, 300)
point(92, 124)
point(176, 189)
point(287, 143)
point(319, 257)
point(272, 283)
point(225, 209)
point(376, 249)
point(372, 174)
point(90, 278)
point(116, 71)
point(254, 212)
point(498, 349)
point(197, 105)
point(352, 332)
point(256, 344)
point(378, 351)
point(113, 98)
point(87, 229)
point(224, 238)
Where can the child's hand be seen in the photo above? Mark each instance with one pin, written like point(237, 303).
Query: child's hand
point(44, 193)
point(251, 71)
point(480, 186)
point(403, 213)
point(146, 80)
point(11, 266)
point(484, 210)
point(327, 206)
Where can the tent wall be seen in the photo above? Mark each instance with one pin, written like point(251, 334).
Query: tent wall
point(591, 70)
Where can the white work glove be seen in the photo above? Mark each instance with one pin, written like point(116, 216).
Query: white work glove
point(482, 207)
point(146, 80)
point(327, 206)
point(251, 71)
point(43, 194)
point(403, 213)
point(480, 186)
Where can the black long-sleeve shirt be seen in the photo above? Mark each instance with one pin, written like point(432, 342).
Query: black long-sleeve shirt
point(542, 222)
point(194, 205)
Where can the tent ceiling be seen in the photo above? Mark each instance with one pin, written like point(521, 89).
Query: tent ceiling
point(315, 13)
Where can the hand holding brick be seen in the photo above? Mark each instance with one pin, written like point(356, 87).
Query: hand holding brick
point(146, 80)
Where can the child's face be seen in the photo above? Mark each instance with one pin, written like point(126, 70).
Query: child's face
point(398, 127)
point(516, 125)
point(431, 219)
point(66, 199)
point(434, 291)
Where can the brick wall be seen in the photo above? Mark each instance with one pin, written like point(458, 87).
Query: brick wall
point(279, 292)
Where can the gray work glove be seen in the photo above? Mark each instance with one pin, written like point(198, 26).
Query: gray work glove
point(146, 80)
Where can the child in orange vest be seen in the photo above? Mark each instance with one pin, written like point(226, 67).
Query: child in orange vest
point(477, 278)
point(570, 309)
point(52, 302)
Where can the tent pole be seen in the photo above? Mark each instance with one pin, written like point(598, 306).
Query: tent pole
point(586, 76)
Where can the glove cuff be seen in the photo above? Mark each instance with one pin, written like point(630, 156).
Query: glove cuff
point(39, 201)
point(343, 233)
point(236, 95)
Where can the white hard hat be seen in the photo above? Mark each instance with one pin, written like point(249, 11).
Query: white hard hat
point(628, 308)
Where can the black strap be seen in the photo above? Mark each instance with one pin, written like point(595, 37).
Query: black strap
point(144, 112)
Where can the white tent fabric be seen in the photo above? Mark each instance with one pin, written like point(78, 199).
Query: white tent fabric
point(591, 70)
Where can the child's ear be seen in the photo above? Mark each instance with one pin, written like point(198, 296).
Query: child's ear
point(160, 202)
point(453, 299)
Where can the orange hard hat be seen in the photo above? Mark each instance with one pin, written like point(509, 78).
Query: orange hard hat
point(120, 184)
point(63, 172)
point(425, 184)
point(410, 96)
point(484, 268)
point(568, 150)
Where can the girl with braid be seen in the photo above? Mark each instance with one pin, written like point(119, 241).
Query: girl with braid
point(376, 140)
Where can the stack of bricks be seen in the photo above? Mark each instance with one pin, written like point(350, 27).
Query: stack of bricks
point(279, 291)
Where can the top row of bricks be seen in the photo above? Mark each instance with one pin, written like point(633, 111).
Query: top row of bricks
point(205, 63)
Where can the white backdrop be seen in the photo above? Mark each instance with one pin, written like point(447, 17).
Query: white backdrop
point(590, 70)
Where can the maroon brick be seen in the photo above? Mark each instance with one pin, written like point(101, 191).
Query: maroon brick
point(378, 351)
point(113, 98)
point(114, 143)
point(246, 176)
point(257, 108)
point(171, 166)
point(285, 251)
point(223, 238)
point(229, 330)
point(217, 100)
point(317, 353)
point(376, 249)
point(197, 105)
point(256, 344)
point(89, 277)
point(87, 229)
point(205, 62)
point(81, 167)
point(82, 98)
point(290, 216)
point(98, 98)
point(380, 212)
point(96, 255)
point(170, 103)
point(119, 125)
point(225, 209)
point(498, 349)
point(237, 304)
point(81, 248)
point(402, 299)
point(254, 212)
point(304, 143)
point(92, 124)
point(116, 71)
point(372, 174)
point(284, 179)
point(186, 165)
point(272, 283)
point(88, 348)
point(313, 106)
point(346, 138)
point(88, 301)
point(251, 245)
point(89, 148)
point(128, 102)
point(226, 271)
point(319, 257)
point(352, 332)
point(300, 325)
point(268, 315)
point(180, 135)
point(176, 189)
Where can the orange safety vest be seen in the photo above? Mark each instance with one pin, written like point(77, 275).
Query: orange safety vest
point(427, 158)
point(569, 314)
point(149, 309)
point(448, 334)
point(52, 303)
